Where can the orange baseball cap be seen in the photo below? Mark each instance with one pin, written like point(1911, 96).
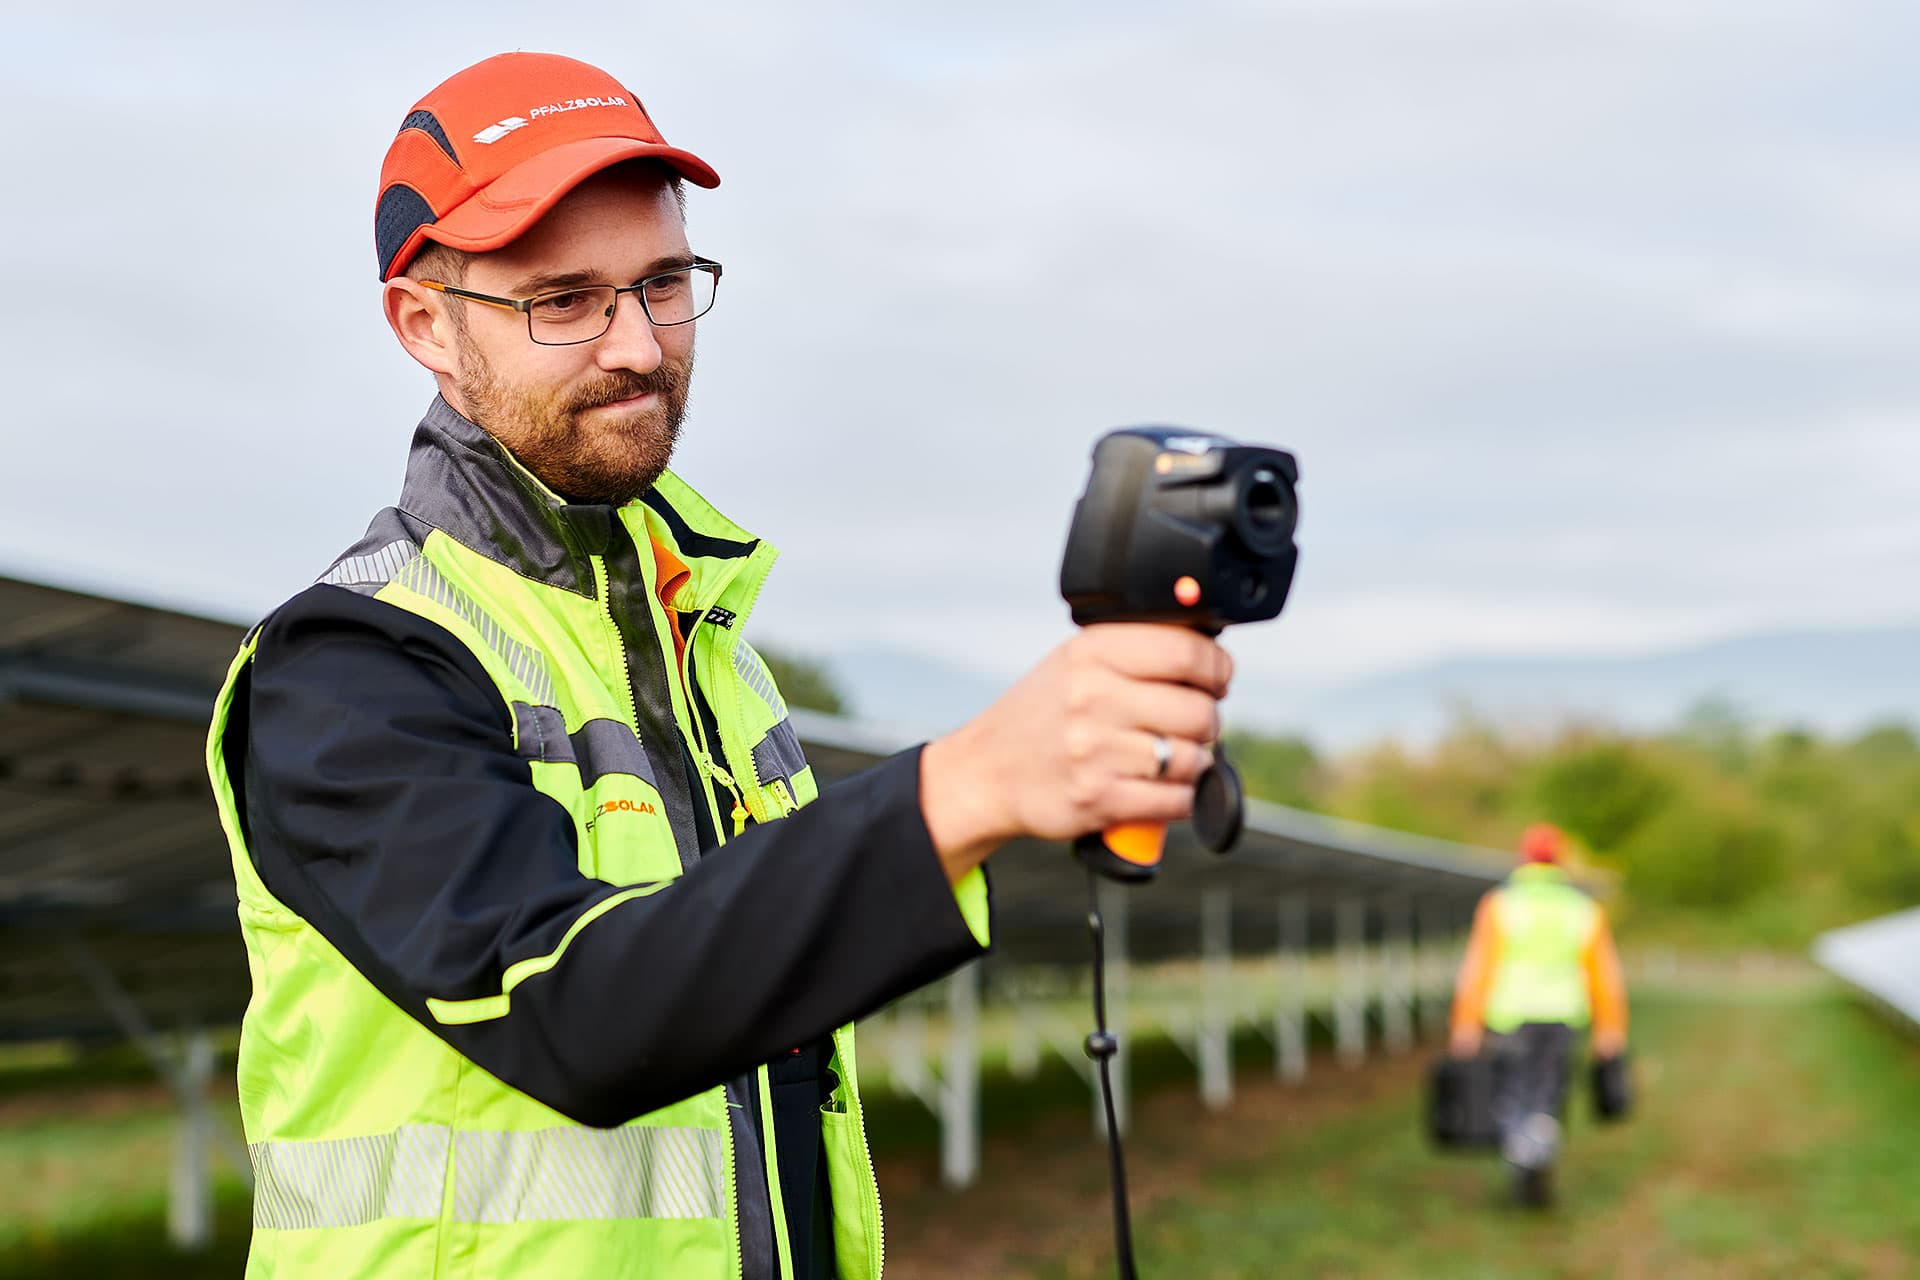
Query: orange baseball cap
point(1542, 842)
point(484, 156)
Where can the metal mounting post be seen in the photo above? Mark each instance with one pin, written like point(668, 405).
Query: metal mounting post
point(1290, 1012)
point(1350, 1005)
point(1216, 1014)
point(189, 1188)
point(960, 1085)
point(188, 1073)
point(1397, 983)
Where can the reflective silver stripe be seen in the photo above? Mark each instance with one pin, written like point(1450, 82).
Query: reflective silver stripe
point(542, 1175)
point(580, 1173)
point(346, 1182)
point(778, 755)
point(597, 748)
point(752, 670)
point(527, 663)
point(375, 568)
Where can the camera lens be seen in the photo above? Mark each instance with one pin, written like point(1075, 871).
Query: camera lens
point(1265, 511)
point(1266, 504)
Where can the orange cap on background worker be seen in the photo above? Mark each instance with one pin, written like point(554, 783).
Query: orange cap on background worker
point(1543, 842)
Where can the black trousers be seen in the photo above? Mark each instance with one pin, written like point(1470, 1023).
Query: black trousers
point(1531, 1065)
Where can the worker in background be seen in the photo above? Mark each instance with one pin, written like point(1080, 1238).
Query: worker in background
point(1539, 965)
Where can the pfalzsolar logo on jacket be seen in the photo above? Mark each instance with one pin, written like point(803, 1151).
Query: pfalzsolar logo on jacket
point(620, 806)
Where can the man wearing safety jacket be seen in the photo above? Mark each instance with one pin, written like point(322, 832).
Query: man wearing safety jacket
point(1540, 963)
point(554, 947)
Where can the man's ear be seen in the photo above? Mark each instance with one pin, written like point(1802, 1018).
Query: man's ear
point(418, 317)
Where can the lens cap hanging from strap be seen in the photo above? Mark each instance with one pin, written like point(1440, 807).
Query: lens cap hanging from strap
point(1219, 805)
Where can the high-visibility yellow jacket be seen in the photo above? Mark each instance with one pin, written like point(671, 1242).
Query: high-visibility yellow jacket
point(1540, 951)
point(531, 875)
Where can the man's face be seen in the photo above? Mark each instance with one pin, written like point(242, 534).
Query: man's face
point(596, 421)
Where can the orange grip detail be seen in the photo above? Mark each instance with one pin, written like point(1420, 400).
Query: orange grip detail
point(1140, 843)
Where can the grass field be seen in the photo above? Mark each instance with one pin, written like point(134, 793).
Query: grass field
point(1779, 1136)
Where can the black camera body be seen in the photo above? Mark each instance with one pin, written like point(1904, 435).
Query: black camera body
point(1188, 529)
point(1182, 527)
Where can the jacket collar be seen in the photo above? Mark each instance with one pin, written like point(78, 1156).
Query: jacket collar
point(467, 484)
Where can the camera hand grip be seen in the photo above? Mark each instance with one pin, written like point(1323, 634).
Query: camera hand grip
point(1131, 851)
point(1127, 851)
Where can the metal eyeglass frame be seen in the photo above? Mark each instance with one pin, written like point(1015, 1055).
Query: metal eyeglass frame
point(525, 305)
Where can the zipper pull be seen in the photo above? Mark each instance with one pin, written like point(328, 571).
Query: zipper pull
point(725, 779)
point(783, 796)
point(721, 617)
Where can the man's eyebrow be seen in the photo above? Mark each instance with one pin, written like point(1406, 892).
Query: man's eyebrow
point(672, 262)
point(548, 281)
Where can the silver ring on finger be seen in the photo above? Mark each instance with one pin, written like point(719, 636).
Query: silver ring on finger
point(1162, 756)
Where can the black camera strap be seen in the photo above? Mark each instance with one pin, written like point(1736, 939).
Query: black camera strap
point(1101, 1046)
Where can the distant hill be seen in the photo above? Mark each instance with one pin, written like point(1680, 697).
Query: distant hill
point(1835, 681)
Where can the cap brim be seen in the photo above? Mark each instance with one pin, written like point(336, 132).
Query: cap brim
point(501, 212)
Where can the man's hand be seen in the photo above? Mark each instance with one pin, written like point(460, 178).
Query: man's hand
point(1464, 1043)
point(1070, 748)
point(1608, 1044)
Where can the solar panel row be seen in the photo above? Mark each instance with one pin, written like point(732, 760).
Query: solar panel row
point(107, 833)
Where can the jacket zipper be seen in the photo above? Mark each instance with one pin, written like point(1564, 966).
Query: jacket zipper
point(706, 762)
point(699, 748)
point(869, 1204)
point(702, 753)
point(619, 641)
point(725, 618)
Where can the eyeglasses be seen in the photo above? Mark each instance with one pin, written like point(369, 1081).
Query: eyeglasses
point(585, 312)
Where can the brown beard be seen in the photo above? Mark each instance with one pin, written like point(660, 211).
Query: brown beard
point(603, 460)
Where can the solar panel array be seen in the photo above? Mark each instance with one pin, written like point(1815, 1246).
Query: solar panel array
point(1881, 957)
point(108, 833)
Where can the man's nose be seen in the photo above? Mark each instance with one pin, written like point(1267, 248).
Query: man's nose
point(630, 342)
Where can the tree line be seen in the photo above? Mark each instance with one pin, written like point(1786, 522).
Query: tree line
point(1717, 830)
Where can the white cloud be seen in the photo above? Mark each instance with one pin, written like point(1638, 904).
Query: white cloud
point(1592, 323)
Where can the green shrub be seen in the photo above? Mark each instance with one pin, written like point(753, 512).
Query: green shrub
point(1603, 790)
point(805, 682)
point(1282, 769)
point(1705, 851)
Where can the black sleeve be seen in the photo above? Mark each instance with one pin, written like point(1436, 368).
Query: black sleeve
point(385, 804)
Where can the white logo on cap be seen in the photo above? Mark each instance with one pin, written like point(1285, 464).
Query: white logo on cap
point(576, 104)
point(494, 132)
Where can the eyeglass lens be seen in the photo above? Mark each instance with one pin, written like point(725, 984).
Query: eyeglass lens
point(583, 314)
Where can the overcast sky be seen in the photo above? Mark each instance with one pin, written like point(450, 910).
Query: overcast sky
point(1593, 324)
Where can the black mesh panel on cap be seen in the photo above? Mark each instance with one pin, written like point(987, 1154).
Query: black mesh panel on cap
point(426, 123)
point(401, 212)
